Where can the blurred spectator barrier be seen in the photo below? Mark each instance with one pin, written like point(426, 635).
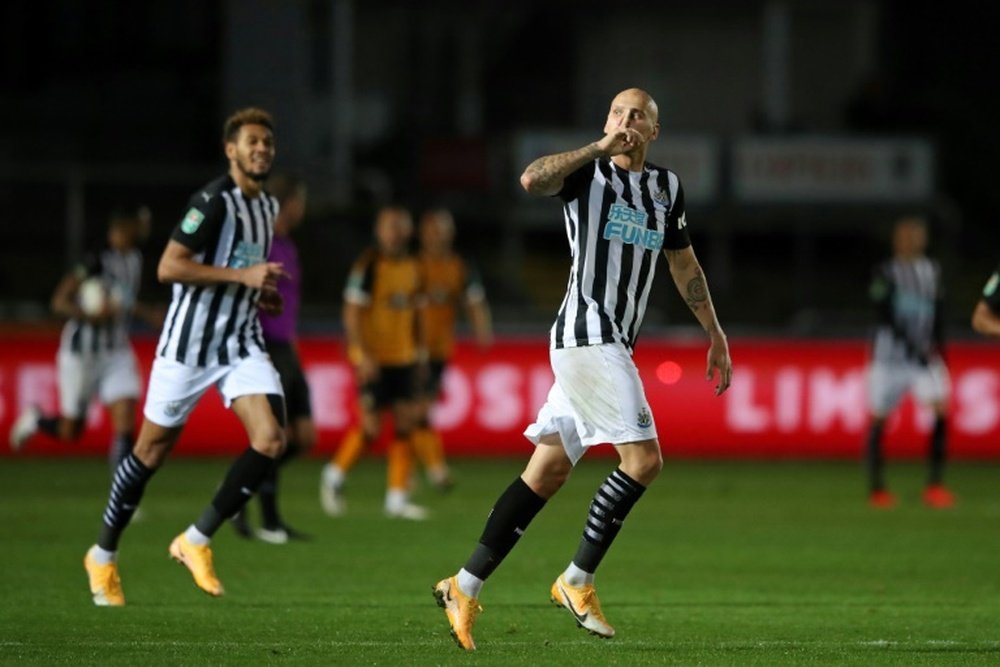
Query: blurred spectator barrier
point(789, 398)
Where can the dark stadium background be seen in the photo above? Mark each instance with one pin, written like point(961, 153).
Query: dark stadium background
point(111, 103)
point(756, 546)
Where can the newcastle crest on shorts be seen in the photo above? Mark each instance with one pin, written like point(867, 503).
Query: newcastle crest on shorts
point(644, 419)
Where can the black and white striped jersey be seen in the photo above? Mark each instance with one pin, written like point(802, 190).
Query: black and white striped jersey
point(908, 293)
point(617, 222)
point(208, 325)
point(121, 273)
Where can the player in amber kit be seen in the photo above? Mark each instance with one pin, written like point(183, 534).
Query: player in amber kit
point(382, 325)
point(450, 284)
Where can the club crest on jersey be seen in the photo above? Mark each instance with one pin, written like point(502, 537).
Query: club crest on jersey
point(192, 221)
point(246, 254)
point(644, 419)
point(629, 225)
point(662, 197)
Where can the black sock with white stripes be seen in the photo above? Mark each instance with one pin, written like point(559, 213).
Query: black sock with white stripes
point(127, 486)
point(936, 453)
point(611, 504)
point(241, 482)
point(508, 520)
point(121, 445)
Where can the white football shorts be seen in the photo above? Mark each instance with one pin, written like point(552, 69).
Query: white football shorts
point(111, 376)
point(888, 383)
point(597, 398)
point(175, 388)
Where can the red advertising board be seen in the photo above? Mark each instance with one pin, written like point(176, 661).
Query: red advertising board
point(790, 398)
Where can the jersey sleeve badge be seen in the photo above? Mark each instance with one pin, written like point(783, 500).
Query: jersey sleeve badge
point(192, 221)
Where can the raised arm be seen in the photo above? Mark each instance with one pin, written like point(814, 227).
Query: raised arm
point(545, 175)
point(690, 282)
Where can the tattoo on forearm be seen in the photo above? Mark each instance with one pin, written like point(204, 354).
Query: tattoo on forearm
point(547, 170)
point(697, 292)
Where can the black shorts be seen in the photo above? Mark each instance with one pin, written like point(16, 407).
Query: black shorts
point(293, 380)
point(393, 384)
point(430, 386)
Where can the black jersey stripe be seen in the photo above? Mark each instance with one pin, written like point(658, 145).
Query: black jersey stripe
point(584, 226)
point(622, 300)
point(600, 250)
point(647, 260)
point(256, 224)
point(193, 300)
point(237, 291)
point(214, 306)
point(570, 212)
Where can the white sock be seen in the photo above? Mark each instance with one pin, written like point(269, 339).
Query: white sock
point(103, 556)
point(574, 576)
point(469, 583)
point(333, 476)
point(196, 537)
point(396, 498)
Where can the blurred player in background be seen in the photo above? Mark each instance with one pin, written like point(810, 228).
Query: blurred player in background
point(216, 262)
point(280, 336)
point(95, 355)
point(383, 326)
point(986, 316)
point(449, 283)
point(906, 355)
point(620, 212)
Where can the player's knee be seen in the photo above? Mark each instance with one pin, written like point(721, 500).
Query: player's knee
point(271, 444)
point(644, 466)
point(547, 480)
point(270, 441)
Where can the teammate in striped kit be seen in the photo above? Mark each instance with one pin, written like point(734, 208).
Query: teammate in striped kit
point(620, 212)
point(212, 337)
point(906, 356)
point(95, 356)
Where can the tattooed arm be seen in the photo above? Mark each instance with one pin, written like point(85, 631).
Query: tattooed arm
point(545, 175)
point(690, 281)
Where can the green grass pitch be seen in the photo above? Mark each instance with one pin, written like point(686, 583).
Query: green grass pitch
point(721, 563)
